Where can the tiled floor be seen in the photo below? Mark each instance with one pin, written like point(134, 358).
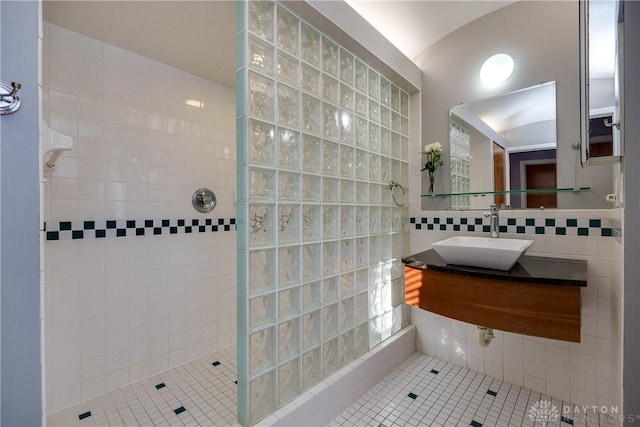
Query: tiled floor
point(199, 393)
point(426, 391)
point(423, 391)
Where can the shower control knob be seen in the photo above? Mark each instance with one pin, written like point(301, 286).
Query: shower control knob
point(204, 200)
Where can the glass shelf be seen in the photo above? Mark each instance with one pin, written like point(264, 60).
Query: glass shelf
point(490, 193)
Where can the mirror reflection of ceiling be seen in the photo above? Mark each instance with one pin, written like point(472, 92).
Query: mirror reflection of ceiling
point(513, 110)
point(602, 40)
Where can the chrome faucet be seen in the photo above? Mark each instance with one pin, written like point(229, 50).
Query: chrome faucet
point(494, 217)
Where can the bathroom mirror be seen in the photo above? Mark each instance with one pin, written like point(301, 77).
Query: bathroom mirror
point(600, 22)
point(505, 143)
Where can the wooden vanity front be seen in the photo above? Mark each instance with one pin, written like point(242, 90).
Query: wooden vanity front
point(538, 296)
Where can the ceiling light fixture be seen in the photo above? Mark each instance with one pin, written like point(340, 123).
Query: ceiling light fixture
point(496, 69)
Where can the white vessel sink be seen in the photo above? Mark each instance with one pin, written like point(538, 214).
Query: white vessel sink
point(485, 252)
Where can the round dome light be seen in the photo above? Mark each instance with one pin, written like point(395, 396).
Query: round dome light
point(496, 69)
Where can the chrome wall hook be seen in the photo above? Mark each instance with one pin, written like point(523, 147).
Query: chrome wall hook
point(9, 99)
point(609, 124)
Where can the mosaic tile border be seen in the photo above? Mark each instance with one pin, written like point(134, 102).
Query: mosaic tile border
point(547, 226)
point(71, 230)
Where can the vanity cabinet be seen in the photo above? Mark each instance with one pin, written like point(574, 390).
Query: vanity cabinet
point(538, 296)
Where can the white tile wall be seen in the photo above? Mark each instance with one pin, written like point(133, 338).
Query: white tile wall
point(119, 309)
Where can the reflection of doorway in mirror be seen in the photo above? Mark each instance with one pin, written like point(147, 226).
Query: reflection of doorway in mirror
point(518, 162)
point(499, 174)
point(540, 176)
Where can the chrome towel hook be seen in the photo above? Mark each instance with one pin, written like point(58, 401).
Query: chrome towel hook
point(9, 99)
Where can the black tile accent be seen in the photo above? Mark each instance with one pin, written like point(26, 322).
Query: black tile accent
point(418, 227)
point(424, 220)
point(139, 231)
point(502, 228)
point(179, 410)
point(511, 221)
point(436, 220)
point(463, 221)
point(412, 220)
point(173, 230)
point(539, 230)
point(433, 371)
point(121, 232)
point(486, 229)
point(235, 382)
point(53, 235)
point(382, 425)
point(572, 222)
point(220, 221)
point(520, 229)
point(181, 223)
point(187, 229)
point(456, 227)
point(583, 231)
point(89, 225)
point(202, 228)
point(195, 222)
point(449, 220)
point(429, 226)
point(232, 221)
point(148, 223)
point(550, 222)
point(165, 222)
point(84, 415)
point(101, 234)
point(77, 234)
point(606, 232)
point(566, 420)
point(474, 423)
point(478, 221)
point(443, 227)
point(530, 222)
point(131, 224)
point(492, 393)
point(595, 223)
point(65, 226)
point(561, 231)
point(471, 227)
point(111, 224)
point(215, 227)
point(208, 221)
point(157, 230)
point(412, 395)
point(159, 386)
point(216, 363)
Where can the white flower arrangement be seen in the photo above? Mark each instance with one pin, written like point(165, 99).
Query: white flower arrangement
point(433, 152)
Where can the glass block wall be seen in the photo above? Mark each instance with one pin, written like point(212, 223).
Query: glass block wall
point(320, 136)
point(460, 147)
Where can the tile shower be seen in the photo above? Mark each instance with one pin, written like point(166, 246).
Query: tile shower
point(320, 240)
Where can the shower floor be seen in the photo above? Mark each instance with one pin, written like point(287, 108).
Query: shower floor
point(427, 391)
point(198, 393)
point(422, 391)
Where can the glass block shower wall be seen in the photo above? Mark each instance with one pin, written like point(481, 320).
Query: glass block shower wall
point(460, 146)
point(320, 136)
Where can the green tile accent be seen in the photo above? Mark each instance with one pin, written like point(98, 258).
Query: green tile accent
point(572, 222)
point(595, 223)
point(474, 423)
point(561, 231)
point(530, 222)
point(583, 231)
point(550, 222)
point(492, 393)
point(606, 232)
point(471, 227)
point(511, 221)
point(539, 230)
point(520, 229)
point(412, 395)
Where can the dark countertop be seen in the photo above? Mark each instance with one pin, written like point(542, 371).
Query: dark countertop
point(530, 269)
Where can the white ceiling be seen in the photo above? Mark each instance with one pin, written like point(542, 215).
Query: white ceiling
point(194, 36)
point(199, 36)
point(414, 25)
